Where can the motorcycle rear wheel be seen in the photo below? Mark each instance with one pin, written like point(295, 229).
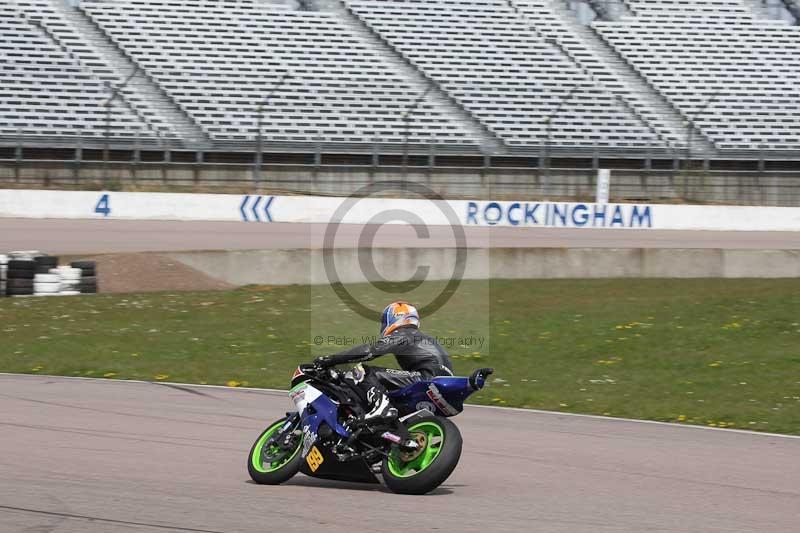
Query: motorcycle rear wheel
point(268, 464)
point(422, 472)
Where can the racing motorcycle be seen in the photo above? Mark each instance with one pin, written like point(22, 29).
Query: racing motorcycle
point(325, 438)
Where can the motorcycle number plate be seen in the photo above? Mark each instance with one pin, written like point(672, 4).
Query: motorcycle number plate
point(314, 459)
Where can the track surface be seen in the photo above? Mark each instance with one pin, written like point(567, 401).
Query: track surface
point(83, 456)
point(98, 236)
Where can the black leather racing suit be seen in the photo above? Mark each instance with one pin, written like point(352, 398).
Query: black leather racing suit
point(419, 355)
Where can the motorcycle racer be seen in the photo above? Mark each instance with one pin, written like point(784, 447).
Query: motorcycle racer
point(419, 355)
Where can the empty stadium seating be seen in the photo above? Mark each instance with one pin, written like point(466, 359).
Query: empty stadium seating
point(735, 76)
point(519, 73)
point(45, 91)
point(220, 60)
point(484, 54)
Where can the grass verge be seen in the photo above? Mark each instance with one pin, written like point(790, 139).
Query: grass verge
point(724, 353)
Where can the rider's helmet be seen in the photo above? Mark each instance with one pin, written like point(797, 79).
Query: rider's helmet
point(398, 314)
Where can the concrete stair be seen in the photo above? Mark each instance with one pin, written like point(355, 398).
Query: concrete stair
point(150, 101)
point(793, 7)
point(759, 10)
point(614, 74)
point(609, 9)
point(442, 101)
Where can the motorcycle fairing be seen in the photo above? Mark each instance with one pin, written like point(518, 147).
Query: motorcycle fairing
point(324, 410)
point(442, 395)
point(356, 471)
point(315, 408)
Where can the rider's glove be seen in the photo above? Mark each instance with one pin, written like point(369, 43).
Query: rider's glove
point(324, 362)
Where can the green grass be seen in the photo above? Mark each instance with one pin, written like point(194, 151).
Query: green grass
point(710, 352)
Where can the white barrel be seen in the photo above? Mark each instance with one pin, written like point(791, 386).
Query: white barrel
point(47, 278)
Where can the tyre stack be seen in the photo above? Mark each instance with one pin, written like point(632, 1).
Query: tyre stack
point(44, 282)
point(70, 280)
point(19, 276)
point(88, 284)
point(3, 272)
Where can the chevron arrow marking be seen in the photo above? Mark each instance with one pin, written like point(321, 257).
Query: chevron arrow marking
point(254, 209)
point(243, 207)
point(266, 208)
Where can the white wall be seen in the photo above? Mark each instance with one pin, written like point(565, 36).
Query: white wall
point(304, 209)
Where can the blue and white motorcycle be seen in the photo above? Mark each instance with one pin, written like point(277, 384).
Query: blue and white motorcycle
point(323, 438)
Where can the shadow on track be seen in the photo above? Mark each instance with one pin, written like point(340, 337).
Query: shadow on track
point(305, 481)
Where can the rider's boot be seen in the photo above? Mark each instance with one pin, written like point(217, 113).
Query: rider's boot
point(382, 409)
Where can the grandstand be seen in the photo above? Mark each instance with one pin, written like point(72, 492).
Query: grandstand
point(709, 79)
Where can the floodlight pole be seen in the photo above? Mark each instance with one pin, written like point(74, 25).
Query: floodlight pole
point(548, 120)
point(407, 122)
point(114, 91)
point(260, 134)
point(690, 127)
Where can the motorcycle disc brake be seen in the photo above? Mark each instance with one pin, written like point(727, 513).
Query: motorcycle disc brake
point(410, 455)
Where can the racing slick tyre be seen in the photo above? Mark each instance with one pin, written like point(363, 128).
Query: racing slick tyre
point(20, 274)
point(44, 263)
point(88, 268)
point(271, 463)
point(16, 283)
point(21, 264)
point(422, 471)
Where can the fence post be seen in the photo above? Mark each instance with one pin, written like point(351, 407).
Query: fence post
point(198, 163)
point(78, 159)
point(431, 160)
point(18, 156)
point(136, 155)
point(166, 162)
point(603, 185)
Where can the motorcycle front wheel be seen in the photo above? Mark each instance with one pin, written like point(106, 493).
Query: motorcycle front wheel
point(271, 461)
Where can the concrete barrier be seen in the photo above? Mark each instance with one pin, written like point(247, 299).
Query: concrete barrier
point(306, 267)
point(324, 210)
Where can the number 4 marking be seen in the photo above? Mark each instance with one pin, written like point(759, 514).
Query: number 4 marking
point(102, 206)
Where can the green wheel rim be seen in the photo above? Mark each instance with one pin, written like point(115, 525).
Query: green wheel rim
point(434, 441)
point(258, 451)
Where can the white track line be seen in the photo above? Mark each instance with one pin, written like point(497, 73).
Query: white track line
point(514, 409)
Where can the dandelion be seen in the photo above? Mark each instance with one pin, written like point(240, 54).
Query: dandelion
point(160, 377)
point(681, 418)
point(109, 374)
point(233, 383)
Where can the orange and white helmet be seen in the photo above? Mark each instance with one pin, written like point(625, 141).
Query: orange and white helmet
point(398, 314)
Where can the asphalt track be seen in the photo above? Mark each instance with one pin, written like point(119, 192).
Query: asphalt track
point(94, 456)
point(98, 236)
